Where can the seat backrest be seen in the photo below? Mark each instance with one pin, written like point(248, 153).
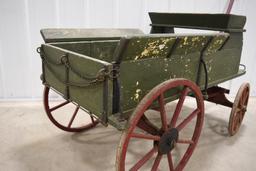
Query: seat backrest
point(217, 22)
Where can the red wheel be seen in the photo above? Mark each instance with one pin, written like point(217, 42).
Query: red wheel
point(60, 122)
point(239, 108)
point(165, 138)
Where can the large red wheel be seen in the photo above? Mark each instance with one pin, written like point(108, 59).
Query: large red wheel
point(165, 138)
point(69, 126)
point(239, 108)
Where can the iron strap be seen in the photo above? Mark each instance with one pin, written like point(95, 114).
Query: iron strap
point(203, 64)
point(38, 50)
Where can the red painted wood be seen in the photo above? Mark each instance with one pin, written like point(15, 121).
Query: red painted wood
point(143, 136)
point(170, 162)
point(230, 5)
point(181, 141)
point(156, 162)
point(143, 160)
point(188, 119)
point(57, 123)
point(179, 107)
point(238, 109)
point(58, 106)
point(73, 117)
point(147, 126)
point(138, 119)
point(163, 112)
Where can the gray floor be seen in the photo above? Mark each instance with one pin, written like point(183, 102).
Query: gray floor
point(29, 142)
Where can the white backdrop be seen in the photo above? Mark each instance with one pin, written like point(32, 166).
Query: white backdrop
point(21, 20)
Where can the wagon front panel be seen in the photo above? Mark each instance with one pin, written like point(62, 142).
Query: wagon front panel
point(222, 58)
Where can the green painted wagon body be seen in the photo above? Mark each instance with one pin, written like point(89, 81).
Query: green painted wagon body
point(108, 71)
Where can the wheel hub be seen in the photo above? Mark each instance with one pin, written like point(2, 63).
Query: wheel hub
point(168, 141)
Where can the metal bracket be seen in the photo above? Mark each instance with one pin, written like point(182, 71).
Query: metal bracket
point(40, 51)
point(217, 95)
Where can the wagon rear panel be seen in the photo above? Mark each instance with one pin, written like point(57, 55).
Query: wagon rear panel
point(101, 49)
point(150, 60)
point(55, 74)
point(72, 35)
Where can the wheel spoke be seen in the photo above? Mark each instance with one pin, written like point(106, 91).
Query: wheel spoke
point(143, 136)
point(182, 141)
point(92, 119)
point(73, 117)
point(188, 119)
point(238, 110)
point(147, 126)
point(179, 107)
point(244, 97)
point(58, 106)
point(241, 103)
point(163, 112)
point(236, 124)
point(143, 160)
point(157, 162)
point(170, 162)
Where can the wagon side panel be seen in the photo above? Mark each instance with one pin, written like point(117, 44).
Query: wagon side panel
point(148, 61)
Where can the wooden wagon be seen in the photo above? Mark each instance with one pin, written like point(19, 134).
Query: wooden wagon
point(124, 78)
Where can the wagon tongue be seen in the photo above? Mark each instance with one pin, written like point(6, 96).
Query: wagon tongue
point(168, 141)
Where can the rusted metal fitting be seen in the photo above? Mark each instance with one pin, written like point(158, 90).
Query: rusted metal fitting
point(64, 60)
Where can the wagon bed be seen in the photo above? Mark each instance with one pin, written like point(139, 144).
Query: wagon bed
point(153, 57)
point(108, 72)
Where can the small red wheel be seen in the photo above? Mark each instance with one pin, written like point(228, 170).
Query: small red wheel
point(239, 108)
point(173, 138)
point(60, 123)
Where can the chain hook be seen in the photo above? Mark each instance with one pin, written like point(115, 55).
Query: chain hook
point(64, 60)
point(38, 50)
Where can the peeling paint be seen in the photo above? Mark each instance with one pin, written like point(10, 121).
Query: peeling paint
point(154, 48)
point(136, 95)
point(161, 46)
point(209, 69)
point(215, 45)
point(136, 57)
point(185, 41)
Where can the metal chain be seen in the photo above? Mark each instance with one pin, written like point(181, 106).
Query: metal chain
point(67, 64)
point(94, 82)
point(99, 78)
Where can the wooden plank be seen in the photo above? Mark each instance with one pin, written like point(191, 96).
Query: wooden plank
point(67, 35)
point(80, 66)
